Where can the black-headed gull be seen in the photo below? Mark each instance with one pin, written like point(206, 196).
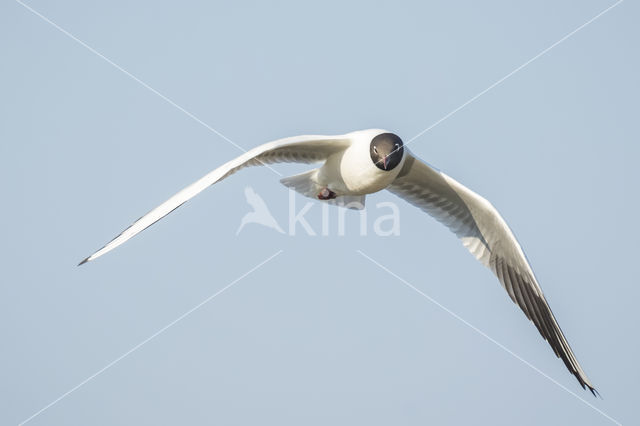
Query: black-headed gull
point(367, 161)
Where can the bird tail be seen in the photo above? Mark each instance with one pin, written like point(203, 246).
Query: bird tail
point(303, 183)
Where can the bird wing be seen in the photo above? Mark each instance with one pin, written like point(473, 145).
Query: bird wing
point(488, 237)
point(300, 149)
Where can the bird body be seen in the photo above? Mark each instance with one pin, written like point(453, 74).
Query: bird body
point(367, 161)
point(349, 173)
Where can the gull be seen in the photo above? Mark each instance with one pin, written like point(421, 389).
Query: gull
point(367, 161)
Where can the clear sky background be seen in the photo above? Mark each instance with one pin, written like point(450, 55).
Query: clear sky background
point(319, 335)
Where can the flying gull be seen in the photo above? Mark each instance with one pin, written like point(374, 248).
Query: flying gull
point(367, 161)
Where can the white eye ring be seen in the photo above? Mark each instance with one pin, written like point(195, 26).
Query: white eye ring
point(397, 146)
point(375, 149)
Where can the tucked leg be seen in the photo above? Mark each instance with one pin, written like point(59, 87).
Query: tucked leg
point(326, 194)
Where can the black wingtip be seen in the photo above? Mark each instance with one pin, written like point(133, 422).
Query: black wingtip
point(595, 392)
point(85, 260)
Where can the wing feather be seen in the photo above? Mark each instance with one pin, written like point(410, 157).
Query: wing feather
point(300, 149)
point(487, 236)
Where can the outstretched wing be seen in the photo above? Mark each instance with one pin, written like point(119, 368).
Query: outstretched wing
point(483, 231)
point(300, 149)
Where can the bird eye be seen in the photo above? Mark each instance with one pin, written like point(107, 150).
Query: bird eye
point(375, 149)
point(397, 146)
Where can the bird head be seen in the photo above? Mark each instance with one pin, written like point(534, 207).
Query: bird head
point(386, 151)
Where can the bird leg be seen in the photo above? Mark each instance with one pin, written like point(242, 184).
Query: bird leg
point(326, 194)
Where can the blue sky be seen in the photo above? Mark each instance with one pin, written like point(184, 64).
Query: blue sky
point(319, 334)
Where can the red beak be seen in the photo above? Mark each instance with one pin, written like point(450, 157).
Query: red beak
point(384, 162)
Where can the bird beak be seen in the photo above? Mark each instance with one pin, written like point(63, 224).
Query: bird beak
point(384, 161)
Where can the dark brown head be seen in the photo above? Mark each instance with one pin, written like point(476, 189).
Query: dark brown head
point(386, 151)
